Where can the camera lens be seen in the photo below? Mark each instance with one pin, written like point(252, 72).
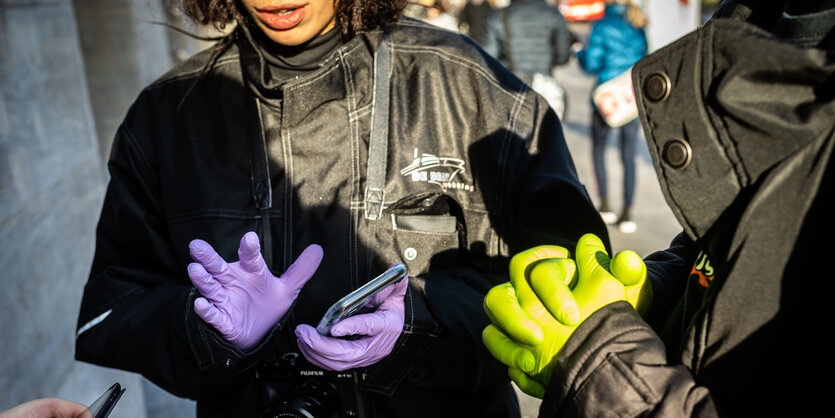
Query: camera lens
point(314, 398)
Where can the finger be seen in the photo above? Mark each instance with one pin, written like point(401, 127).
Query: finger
point(306, 346)
point(249, 253)
point(209, 313)
point(629, 268)
point(503, 307)
point(204, 254)
point(521, 264)
point(324, 362)
point(205, 283)
point(366, 324)
point(596, 286)
point(507, 351)
point(303, 268)
point(527, 384)
point(549, 280)
point(330, 348)
point(591, 254)
point(392, 296)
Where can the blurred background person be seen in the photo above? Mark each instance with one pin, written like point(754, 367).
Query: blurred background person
point(438, 14)
point(531, 38)
point(616, 42)
point(473, 19)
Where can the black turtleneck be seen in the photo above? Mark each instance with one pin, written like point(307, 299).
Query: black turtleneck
point(286, 62)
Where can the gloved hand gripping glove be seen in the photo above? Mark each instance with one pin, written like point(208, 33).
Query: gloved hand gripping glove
point(537, 312)
point(378, 333)
point(244, 300)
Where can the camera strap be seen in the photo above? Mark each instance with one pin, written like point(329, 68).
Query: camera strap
point(375, 193)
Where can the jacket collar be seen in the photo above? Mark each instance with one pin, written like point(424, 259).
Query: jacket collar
point(729, 104)
point(255, 67)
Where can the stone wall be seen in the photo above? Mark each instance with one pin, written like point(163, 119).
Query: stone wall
point(69, 70)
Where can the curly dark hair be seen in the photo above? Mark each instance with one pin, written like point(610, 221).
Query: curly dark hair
point(352, 16)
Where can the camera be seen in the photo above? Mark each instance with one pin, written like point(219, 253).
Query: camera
point(291, 388)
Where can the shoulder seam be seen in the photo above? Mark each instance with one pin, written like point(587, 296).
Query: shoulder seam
point(191, 74)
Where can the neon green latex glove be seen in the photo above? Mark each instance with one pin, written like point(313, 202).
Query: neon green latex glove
point(535, 314)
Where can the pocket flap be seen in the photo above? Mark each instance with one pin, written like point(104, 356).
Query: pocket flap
point(426, 223)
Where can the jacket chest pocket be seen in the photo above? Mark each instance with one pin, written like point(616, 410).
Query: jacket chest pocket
point(424, 231)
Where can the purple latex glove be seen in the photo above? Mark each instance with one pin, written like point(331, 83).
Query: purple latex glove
point(379, 329)
point(243, 300)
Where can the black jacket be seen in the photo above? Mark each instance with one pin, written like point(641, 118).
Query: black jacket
point(477, 170)
point(741, 126)
point(537, 39)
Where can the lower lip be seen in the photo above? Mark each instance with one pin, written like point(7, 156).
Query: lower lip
point(282, 22)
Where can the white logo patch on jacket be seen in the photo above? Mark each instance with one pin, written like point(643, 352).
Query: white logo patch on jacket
point(441, 171)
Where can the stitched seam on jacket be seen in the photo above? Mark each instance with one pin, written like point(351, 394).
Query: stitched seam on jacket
point(649, 63)
point(457, 60)
point(232, 59)
point(289, 178)
point(613, 362)
point(133, 144)
point(572, 377)
point(218, 213)
point(352, 231)
point(729, 146)
point(498, 201)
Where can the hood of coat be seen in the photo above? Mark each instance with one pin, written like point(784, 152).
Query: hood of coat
point(616, 10)
point(728, 124)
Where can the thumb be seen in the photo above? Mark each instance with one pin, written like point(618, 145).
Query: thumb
point(303, 268)
point(209, 313)
point(391, 296)
point(550, 279)
point(503, 309)
point(629, 269)
point(591, 255)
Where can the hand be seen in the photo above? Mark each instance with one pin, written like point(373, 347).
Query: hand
point(524, 335)
point(243, 300)
point(46, 408)
point(533, 323)
point(379, 330)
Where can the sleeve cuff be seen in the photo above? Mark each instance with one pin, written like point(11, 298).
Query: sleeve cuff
point(593, 373)
point(210, 350)
point(419, 332)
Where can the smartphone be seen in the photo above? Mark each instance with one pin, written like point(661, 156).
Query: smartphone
point(357, 299)
point(102, 407)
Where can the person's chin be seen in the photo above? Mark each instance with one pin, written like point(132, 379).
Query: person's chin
point(292, 37)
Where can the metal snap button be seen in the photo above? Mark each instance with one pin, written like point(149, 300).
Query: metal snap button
point(677, 153)
point(410, 253)
point(657, 87)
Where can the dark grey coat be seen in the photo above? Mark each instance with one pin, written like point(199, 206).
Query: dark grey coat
point(537, 38)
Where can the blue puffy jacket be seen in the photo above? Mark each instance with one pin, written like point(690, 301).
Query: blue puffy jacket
point(614, 45)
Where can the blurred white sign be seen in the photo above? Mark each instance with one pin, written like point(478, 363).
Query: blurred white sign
point(615, 100)
point(670, 20)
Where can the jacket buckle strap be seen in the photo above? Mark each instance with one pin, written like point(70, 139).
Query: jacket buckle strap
point(378, 143)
